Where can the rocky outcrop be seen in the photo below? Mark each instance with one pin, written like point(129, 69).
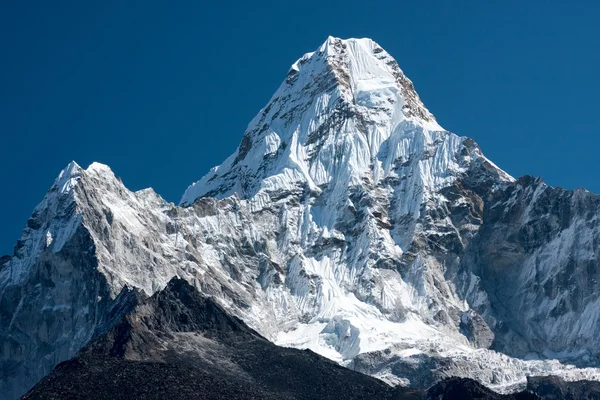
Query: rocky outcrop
point(536, 259)
point(539, 387)
point(179, 344)
point(554, 388)
point(476, 330)
point(462, 388)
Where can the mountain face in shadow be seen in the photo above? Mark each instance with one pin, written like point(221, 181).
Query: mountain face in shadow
point(555, 388)
point(179, 344)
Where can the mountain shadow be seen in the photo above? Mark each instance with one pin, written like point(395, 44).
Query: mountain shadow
point(179, 344)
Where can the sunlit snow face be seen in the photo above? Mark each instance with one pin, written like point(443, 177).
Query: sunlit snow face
point(382, 97)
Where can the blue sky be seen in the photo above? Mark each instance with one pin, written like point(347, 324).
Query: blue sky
point(162, 91)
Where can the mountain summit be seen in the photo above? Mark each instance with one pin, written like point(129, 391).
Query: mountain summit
point(347, 222)
point(327, 122)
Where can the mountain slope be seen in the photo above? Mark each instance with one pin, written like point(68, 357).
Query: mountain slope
point(553, 388)
point(179, 345)
point(347, 222)
point(463, 388)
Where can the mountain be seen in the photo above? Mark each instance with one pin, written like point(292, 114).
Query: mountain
point(554, 388)
point(464, 388)
point(178, 344)
point(347, 222)
point(538, 387)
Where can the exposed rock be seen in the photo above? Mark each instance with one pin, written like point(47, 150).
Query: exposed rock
point(476, 330)
point(554, 388)
point(463, 388)
point(180, 345)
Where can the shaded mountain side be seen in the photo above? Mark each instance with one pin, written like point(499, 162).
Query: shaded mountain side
point(538, 387)
point(464, 388)
point(554, 388)
point(178, 344)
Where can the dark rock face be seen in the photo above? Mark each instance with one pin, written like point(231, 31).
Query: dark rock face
point(71, 280)
point(539, 387)
point(178, 344)
point(463, 388)
point(476, 330)
point(536, 257)
point(554, 388)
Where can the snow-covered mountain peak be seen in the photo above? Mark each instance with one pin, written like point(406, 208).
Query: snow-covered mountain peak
point(348, 166)
point(59, 215)
point(71, 175)
point(67, 178)
point(99, 168)
point(367, 74)
point(373, 74)
point(347, 221)
point(344, 113)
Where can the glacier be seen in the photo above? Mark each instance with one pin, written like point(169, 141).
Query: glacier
point(348, 222)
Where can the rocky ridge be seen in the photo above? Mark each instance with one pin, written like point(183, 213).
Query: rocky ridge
point(178, 344)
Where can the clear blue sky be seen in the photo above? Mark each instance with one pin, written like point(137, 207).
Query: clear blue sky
point(162, 91)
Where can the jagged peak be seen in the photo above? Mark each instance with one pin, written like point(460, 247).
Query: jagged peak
point(71, 174)
point(349, 96)
point(329, 48)
point(97, 177)
point(359, 65)
point(67, 178)
point(332, 44)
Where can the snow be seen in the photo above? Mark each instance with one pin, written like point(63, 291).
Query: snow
point(373, 91)
point(67, 178)
point(307, 232)
point(48, 239)
point(374, 137)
